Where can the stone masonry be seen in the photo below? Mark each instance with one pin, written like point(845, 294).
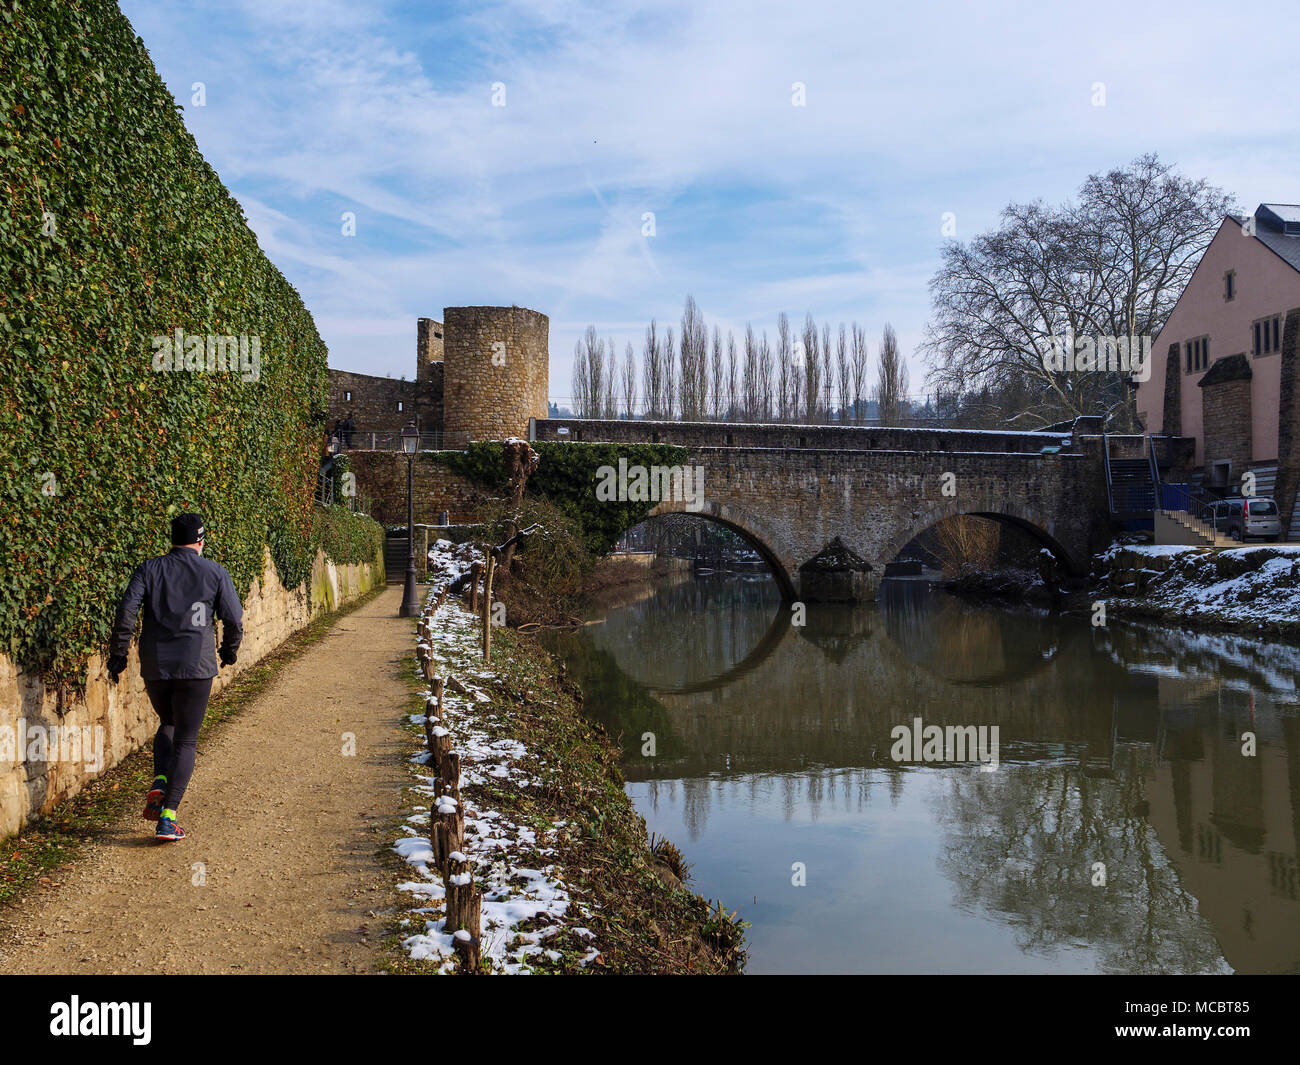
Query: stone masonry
point(1225, 403)
point(480, 374)
point(792, 503)
point(497, 370)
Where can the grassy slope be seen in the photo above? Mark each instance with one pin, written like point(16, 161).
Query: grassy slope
point(644, 921)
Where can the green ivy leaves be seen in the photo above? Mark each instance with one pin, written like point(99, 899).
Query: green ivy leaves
point(145, 239)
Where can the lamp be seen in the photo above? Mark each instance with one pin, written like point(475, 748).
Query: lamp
point(410, 597)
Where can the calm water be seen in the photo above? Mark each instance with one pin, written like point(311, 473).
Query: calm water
point(1117, 745)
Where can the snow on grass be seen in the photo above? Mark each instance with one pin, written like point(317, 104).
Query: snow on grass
point(524, 896)
point(447, 561)
point(1256, 585)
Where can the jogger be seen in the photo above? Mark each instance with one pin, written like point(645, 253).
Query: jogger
point(182, 594)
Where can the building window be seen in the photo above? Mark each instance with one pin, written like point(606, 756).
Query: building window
point(1229, 284)
point(1198, 354)
point(347, 397)
point(1268, 335)
point(399, 406)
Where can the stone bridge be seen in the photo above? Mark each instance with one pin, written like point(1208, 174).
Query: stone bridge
point(790, 490)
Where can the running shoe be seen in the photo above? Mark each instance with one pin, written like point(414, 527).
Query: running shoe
point(168, 830)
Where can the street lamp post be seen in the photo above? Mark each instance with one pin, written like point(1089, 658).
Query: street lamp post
point(410, 597)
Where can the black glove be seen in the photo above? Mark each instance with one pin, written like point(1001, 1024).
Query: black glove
point(228, 658)
point(116, 666)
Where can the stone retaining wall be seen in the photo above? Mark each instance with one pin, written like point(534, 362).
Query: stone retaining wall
point(117, 719)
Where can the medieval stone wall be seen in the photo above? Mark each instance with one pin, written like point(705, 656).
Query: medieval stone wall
point(373, 402)
point(381, 477)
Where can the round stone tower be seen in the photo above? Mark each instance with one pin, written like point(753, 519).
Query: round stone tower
point(497, 370)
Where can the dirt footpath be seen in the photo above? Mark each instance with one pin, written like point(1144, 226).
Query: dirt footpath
point(285, 826)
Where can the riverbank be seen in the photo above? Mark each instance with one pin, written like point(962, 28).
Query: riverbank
point(1248, 589)
point(1235, 589)
point(569, 878)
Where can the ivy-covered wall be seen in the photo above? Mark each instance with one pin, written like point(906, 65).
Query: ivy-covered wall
point(113, 232)
point(567, 476)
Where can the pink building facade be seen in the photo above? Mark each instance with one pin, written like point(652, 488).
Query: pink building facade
point(1223, 368)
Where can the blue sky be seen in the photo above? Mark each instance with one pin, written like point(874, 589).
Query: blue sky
point(384, 109)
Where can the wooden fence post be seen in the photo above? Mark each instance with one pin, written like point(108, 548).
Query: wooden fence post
point(487, 608)
point(474, 572)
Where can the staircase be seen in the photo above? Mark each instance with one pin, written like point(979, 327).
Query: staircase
point(396, 550)
point(1199, 529)
point(1132, 489)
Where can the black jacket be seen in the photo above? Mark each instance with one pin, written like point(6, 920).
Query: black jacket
point(182, 592)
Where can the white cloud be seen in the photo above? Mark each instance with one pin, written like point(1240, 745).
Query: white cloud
point(684, 109)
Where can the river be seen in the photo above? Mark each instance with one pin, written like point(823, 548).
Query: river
point(1122, 828)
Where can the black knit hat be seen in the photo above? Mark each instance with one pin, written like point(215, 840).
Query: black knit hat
point(187, 529)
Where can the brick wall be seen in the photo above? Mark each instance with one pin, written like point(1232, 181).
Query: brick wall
point(1226, 418)
point(381, 477)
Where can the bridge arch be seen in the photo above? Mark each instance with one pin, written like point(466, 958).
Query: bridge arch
point(1027, 519)
point(747, 528)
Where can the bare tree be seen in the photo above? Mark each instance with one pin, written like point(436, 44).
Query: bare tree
point(827, 373)
point(842, 372)
point(593, 384)
point(729, 411)
point(1048, 278)
point(783, 365)
point(717, 388)
point(859, 371)
point(812, 378)
point(611, 382)
point(670, 377)
point(652, 373)
point(966, 543)
point(891, 379)
point(766, 385)
point(629, 382)
point(693, 379)
point(581, 388)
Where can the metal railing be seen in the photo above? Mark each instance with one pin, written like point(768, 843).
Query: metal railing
point(391, 440)
point(1180, 497)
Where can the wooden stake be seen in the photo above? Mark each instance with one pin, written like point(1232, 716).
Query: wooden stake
point(449, 775)
point(474, 571)
point(472, 921)
point(439, 745)
point(487, 607)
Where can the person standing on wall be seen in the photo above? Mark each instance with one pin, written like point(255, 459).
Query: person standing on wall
point(182, 592)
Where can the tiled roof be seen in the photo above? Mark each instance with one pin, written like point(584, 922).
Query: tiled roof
point(1268, 220)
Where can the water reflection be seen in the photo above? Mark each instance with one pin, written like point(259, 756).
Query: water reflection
point(1119, 746)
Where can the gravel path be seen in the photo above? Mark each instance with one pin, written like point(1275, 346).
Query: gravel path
point(286, 829)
